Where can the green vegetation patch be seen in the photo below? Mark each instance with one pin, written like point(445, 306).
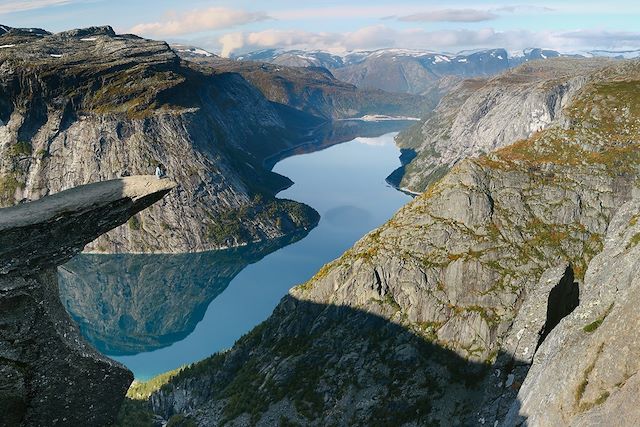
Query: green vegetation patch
point(235, 225)
point(134, 413)
point(591, 327)
point(21, 148)
point(141, 390)
point(582, 387)
point(133, 92)
point(180, 420)
point(9, 184)
point(134, 223)
point(634, 241)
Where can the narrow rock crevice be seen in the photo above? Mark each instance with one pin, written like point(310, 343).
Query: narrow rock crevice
point(378, 285)
point(563, 299)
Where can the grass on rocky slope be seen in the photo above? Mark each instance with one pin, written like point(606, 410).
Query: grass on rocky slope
point(141, 390)
point(133, 92)
point(135, 410)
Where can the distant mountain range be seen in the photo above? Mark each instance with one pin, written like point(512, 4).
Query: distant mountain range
point(414, 71)
point(418, 72)
point(317, 58)
point(438, 59)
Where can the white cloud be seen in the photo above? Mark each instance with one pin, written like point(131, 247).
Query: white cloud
point(470, 14)
point(459, 13)
point(23, 5)
point(342, 12)
point(604, 38)
point(291, 39)
point(231, 42)
point(450, 15)
point(524, 8)
point(214, 18)
point(381, 36)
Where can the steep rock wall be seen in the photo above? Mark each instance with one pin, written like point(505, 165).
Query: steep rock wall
point(84, 106)
point(482, 115)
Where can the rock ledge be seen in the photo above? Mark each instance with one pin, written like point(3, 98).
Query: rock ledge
point(48, 374)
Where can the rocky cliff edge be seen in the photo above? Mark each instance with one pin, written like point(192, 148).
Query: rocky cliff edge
point(48, 374)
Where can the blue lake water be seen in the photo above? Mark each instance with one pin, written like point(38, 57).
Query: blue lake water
point(154, 313)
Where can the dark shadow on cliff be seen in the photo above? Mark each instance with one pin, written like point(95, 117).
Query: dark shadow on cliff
point(406, 156)
point(338, 365)
point(128, 304)
point(562, 300)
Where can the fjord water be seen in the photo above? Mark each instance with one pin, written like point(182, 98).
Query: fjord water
point(154, 313)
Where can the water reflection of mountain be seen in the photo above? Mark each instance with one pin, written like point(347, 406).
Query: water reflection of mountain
point(338, 132)
point(128, 304)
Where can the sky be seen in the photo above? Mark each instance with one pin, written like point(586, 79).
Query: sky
point(231, 27)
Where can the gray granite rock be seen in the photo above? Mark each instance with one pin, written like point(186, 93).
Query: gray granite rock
point(482, 115)
point(437, 316)
point(585, 371)
point(92, 105)
point(51, 376)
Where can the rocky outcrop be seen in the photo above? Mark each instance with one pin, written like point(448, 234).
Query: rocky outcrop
point(437, 316)
point(482, 115)
point(585, 373)
point(48, 374)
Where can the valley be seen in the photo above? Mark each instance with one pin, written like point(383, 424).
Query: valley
point(341, 231)
point(467, 287)
point(104, 105)
point(155, 316)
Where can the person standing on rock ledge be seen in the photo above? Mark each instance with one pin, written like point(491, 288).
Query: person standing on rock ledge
point(159, 171)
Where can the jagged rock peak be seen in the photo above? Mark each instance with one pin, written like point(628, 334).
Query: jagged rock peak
point(4, 29)
point(103, 30)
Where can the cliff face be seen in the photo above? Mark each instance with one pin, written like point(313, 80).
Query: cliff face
point(88, 105)
point(437, 316)
point(482, 115)
point(585, 373)
point(49, 375)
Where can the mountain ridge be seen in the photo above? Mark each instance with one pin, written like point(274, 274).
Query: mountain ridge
point(412, 70)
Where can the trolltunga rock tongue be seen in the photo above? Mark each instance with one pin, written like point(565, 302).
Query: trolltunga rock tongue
point(48, 374)
point(50, 231)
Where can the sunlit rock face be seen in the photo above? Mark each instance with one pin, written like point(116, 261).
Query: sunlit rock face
point(50, 375)
point(481, 115)
point(584, 373)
